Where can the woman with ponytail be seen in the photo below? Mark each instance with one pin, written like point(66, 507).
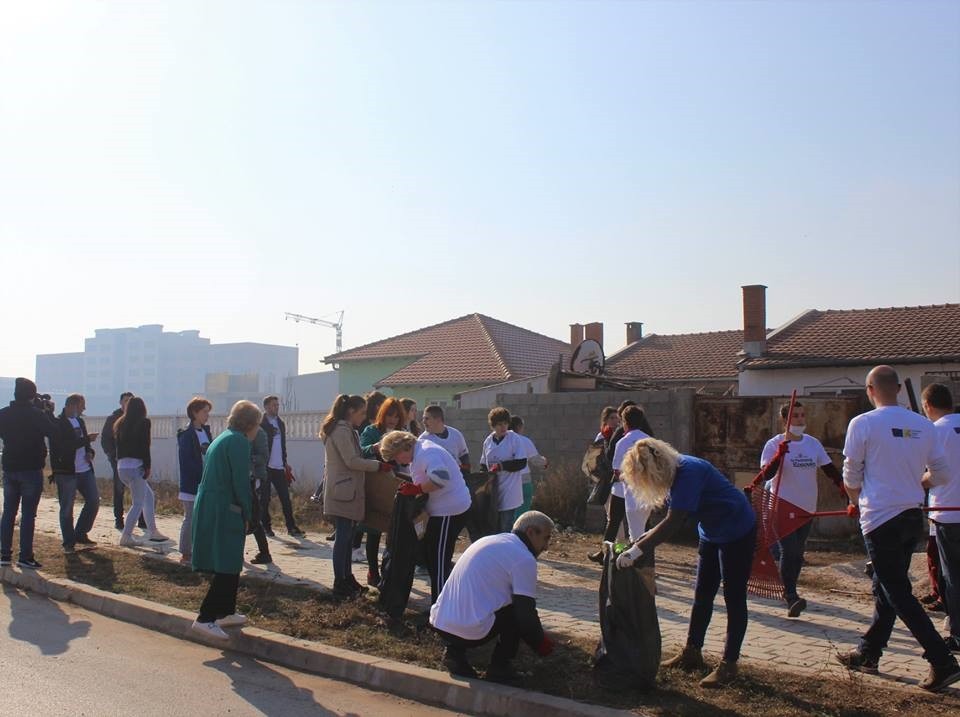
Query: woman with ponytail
point(344, 489)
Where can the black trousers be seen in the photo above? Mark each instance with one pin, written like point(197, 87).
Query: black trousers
point(221, 599)
point(278, 480)
point(504, 628)
point(618, 513)
point(257, 527)
point(439, 542)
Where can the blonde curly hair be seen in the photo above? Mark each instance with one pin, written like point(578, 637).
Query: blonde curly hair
point(396, 442)
point(648, 470)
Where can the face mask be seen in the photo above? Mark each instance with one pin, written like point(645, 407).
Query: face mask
point(796, 430)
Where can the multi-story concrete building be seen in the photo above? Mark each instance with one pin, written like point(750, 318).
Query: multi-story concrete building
point(165, 368)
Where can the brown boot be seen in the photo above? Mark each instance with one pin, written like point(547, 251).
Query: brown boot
point(689, 659)
point(725, 673)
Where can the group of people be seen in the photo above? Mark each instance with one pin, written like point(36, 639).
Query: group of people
point(895, 461)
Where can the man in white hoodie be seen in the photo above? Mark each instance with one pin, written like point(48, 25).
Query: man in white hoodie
point(885, 454)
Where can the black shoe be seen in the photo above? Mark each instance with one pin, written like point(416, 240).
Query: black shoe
point(940, 677)
point(953, 644)
point(927, 599)
point(503, 674)
point(295, 532)
point(330, 538)
point(356, 584)
point(457, 665)
point(596, 557)
point(118, 524)
point(262, 559)
point(269, 533)
point(29, 564)
point(344, 590)
point(936, 606)
point(796, 606)
point(85, 540)
point(858, 662)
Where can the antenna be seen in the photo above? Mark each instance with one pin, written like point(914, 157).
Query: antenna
point(338, 324)
point(588, 358)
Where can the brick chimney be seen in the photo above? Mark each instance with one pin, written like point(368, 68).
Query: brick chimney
point(754, 319)
point(594, 331)
point(634, 331)
point(576, 335)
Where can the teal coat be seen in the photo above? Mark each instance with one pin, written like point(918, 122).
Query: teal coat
point(223, 505)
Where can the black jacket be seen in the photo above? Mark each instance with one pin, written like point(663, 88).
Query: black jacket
point(107, 440)
point(271, 432)
point(135, 443)
point(65, 443)
point(23, 428)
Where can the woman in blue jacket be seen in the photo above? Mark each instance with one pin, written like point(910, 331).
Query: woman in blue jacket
point(192, 443)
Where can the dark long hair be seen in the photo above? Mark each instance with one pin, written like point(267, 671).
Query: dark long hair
point(374, 400)
point(414, 426)
point(339, 412)
point(133, 417)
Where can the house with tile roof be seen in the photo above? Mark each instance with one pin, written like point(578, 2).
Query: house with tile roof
point(433, 364)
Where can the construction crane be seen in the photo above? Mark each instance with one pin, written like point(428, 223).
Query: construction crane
point(338, 324)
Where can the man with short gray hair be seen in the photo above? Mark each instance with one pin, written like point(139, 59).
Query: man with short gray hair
point(491, 593)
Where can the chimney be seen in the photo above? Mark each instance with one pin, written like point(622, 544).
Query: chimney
point(754, 319)
point(594, 331)
point(576, 335)
point(634, 331)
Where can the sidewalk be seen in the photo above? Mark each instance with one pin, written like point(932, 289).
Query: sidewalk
point(567, 599)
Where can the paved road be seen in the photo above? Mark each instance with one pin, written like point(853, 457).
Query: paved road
point(58, 659)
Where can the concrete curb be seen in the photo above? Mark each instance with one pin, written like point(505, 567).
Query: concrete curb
point(397, 678)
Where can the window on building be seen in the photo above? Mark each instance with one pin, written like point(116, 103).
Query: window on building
point(133, 372)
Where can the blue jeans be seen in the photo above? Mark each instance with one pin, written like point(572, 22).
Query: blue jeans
point(342, 547)
point(890, 547)
point(948, 543)
point(68, 484)
point(729, 562)
point(791, 550)
point(25, 486)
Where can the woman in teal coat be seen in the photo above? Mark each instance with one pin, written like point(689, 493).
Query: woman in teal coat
point(222, 511)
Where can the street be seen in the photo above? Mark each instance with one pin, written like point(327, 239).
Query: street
point(58, 659)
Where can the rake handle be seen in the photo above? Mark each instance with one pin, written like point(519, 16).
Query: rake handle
point(840, 513)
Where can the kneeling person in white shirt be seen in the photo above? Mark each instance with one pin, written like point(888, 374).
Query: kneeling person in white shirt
point(437, 473)
point(492, 593)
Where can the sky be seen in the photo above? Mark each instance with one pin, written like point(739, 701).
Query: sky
point(212, 165)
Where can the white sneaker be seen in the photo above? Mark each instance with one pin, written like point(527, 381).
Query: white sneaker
point(130, 542)
point(235, 620)
point(158, 537)
point(210, 630)
point(359, 555)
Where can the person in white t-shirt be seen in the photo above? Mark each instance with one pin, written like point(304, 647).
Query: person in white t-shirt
point(885, 453)
point(637, 514)
point(505, 455)
point(447, 437)
point(534, 459)
point(939, 407)
point(797, 485)
point(435, 472)
point(492, 593)
point(71, 458)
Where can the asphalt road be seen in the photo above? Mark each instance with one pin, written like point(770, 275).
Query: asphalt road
point(58, 659)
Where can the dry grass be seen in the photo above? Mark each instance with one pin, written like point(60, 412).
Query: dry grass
point(312, 614)
point(562, 494)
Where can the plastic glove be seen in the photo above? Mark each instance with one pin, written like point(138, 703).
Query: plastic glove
point(783, 449)
point(606, 432)
point(385, 467)
point(627, 558)
point(409, 489)
point(545, 647)
point(495, 468)
point(853, 511)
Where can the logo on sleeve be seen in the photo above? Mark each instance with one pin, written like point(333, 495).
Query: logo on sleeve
point(956, 429)
point(905, 432)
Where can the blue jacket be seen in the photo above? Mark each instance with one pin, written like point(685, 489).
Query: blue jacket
point(190, 454)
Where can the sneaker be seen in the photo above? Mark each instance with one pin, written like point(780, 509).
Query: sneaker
point(69, 549)
point(503, 674)
point(85, 540)
point(261, 559)
point(458, 666)
point(359, 556)
point(29, 563)
point(129, 542)
point(596, 557)
point(940, 677)
point(210, 630)
point(373, 578)
point(858, 662)
point(295, 532)
point(330, 538)
point(269, 533)
point(953, 644)
point(235, 620)
point(158, 537)
point(5, 561)
point(795, 607)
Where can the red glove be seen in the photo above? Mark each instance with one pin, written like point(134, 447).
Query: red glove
point(385, 467)
point(606, 432)
point(288, 472)
point(545, 647)
point(853, 511)
point(783, 448)
point(495, 468)
point(409, 489)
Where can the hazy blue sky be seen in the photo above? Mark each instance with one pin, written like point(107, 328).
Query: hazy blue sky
point(211, 165)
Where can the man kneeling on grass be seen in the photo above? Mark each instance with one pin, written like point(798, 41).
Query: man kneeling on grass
point(490, 593)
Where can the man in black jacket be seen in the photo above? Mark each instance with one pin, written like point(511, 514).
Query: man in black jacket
point(23, 427)
point(71, 457)
point(109, 444)
point(276, 431)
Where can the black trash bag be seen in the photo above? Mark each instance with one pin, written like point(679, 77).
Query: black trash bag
point(400, 559)
point(628, 655)
point(483, 518)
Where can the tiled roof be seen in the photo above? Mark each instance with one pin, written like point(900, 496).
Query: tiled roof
point(470, 349)
point(707, 356)
point(911, 334)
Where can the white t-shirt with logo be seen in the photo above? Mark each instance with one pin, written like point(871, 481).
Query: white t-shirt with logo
point(434, 464)
point(637, 513)
point(453, 442)
point(948, 494)
point(80, 462)
point(276, 449)
point(509, 485)
point(485, 578)
point(885, 455)
point(798, 480)
point(531, 452)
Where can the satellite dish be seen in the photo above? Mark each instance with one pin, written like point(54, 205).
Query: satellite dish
point(588, 358)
